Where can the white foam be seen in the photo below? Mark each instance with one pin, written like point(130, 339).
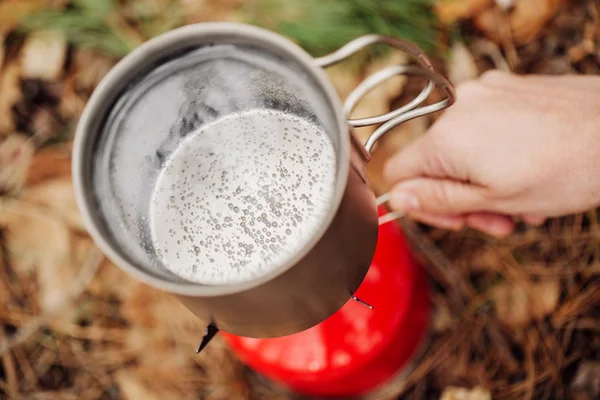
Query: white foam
point(241, 196)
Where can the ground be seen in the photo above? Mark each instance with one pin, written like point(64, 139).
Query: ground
point(514, 319)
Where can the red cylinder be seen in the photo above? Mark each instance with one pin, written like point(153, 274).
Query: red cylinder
point(357, 349)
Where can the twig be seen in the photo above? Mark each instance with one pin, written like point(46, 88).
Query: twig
point(530, 365)
point(29, 377)
point(8, 365)
point(457, 287)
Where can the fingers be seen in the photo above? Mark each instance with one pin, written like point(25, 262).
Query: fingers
point(416, 159)
point(450, 222)
point(531, 219)
point(438, 196)
point(496, 225)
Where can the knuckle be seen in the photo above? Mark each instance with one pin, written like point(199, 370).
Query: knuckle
point(493, 76)
point(442, 196)
point(435, 163)
point(468, 89)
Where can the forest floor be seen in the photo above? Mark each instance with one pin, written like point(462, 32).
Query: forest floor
point(514, 319)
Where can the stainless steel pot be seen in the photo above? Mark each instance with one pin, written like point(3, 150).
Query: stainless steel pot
point(120, 143)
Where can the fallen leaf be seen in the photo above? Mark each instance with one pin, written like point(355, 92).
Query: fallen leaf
point(10, 94)
point(138, 306)
point(457, 393)
point(16, 155)
point(512, 304)
point(544, 298)
point(39, 241)
point(462, 66)
point(59, 197)
point(505, 4)
point(450, 11)
point(89, 67)
point(517, 305)
point(50, 162)
point(493, 24)
point(43, 55)
point(587, 379)
point(530, 16)
point(344, 79)
point(72, 103)
point(132, 388)
point(13, 11)
point(110, 280)
point(442, 317)
point(165, 368)
point(45, 125)
point(483, 47)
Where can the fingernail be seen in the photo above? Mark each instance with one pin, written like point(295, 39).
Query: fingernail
point(404, 201)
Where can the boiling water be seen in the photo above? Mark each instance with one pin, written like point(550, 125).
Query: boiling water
point(241, 196)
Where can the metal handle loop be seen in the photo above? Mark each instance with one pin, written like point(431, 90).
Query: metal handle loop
point(439, 81)
point(403, 113)
point(369, 84)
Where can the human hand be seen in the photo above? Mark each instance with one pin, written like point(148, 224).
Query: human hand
point(511, 146)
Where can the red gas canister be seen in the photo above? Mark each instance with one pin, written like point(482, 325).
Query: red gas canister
point(357, 349)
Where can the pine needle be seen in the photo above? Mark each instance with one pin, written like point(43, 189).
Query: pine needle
point(108, 25)
point(323, 26)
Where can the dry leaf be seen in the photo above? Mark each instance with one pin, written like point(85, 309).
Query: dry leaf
point(512, 304)
point(111, 279)
point(43, 55)
point(587, 379)
point(16, 155)
point(72, 103)
point(137, 306)
point(344, 79)
point(50, 162)
point(45, 125)
point(494, 25)
point(462, 66)
point(10, 94)
point(530, 16)
point(456, 393)
point(517, 305)
point(59, 197)
point(544, 298)
point(133, 389)
point(505, 4)
point(442, 317)
point(35, 239)
point(162, 365)
point(13, 11)
point(86, 78)
point(483, 47)
point(450, 11)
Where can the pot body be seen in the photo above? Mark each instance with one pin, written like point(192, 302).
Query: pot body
point(357, 352)
point(113, 174)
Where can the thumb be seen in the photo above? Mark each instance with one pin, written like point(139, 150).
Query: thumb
point(439, 196)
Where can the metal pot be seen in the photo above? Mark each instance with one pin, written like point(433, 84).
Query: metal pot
point(120, 144)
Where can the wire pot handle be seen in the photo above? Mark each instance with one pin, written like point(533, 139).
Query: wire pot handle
point(401, 114)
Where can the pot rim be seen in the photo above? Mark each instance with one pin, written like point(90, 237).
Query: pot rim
point(87, 132)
